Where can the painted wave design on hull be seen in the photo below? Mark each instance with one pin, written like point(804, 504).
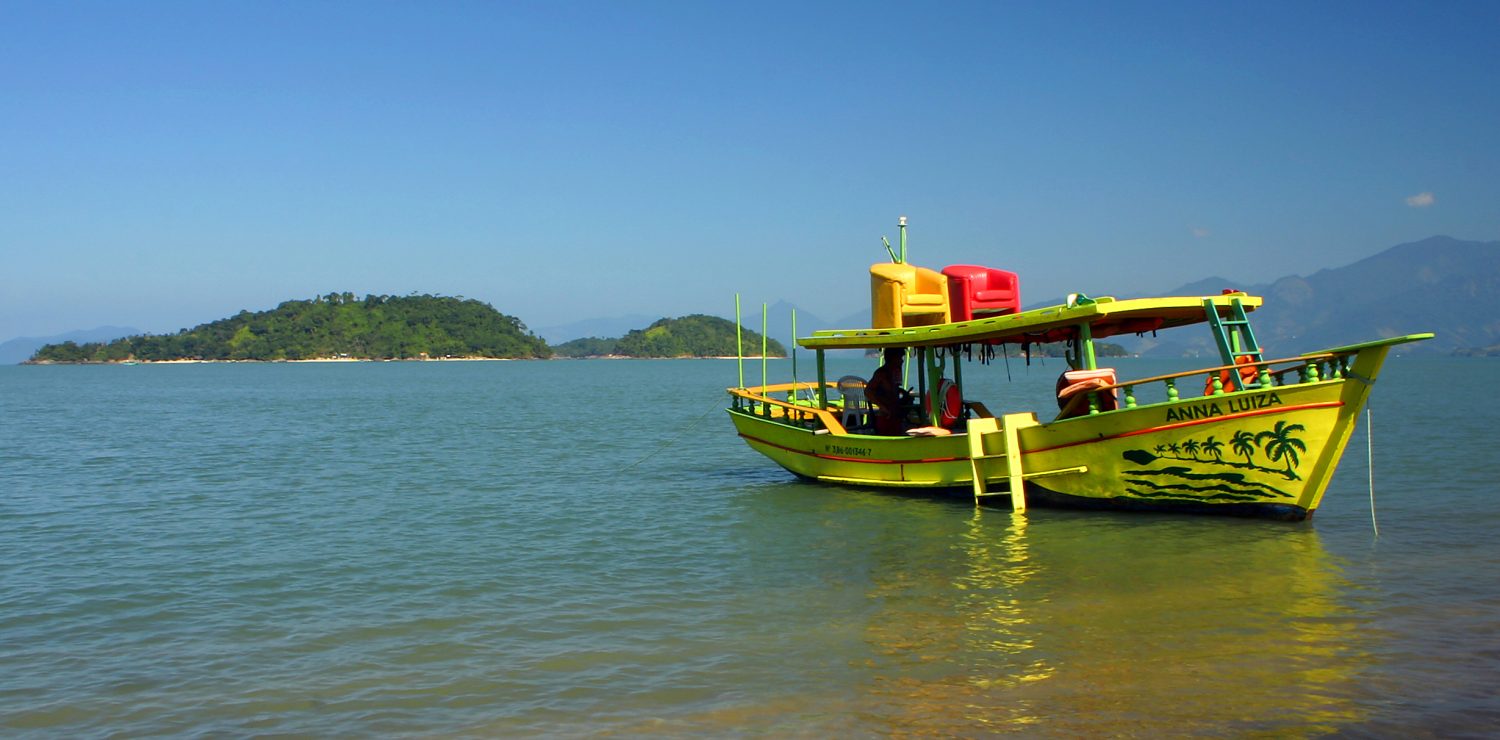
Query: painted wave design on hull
point(1279, 445)
point(1180, 483)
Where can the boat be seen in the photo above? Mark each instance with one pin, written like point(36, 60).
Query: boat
point(1249, 435)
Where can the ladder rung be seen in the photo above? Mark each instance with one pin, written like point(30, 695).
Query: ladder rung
point(1008, 428)
point(1044, 473)
point(1059, 471)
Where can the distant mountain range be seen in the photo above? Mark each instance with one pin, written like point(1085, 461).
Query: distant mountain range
point(615, 326)
point(1440, 284)
point(21, 349)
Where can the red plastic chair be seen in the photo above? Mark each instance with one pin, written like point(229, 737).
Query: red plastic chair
point(974, 290)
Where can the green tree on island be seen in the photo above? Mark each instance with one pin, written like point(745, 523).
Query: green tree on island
point(689, 336)
point(331, 326)
point(696, 335)
point(588, 347)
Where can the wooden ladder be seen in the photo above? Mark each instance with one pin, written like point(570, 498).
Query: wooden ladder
point(1234, 337)
point(1007, 431)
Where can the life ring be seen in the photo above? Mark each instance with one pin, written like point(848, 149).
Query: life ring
point(951, 401)
point(1247, 376)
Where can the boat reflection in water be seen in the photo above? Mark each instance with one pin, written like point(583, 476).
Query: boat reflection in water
point(1075, 626)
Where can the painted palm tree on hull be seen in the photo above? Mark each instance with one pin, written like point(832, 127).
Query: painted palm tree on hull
point(1279, 445)
point(1243, 444)
point(1214, 447)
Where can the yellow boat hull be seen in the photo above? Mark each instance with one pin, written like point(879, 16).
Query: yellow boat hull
point(1269, 452)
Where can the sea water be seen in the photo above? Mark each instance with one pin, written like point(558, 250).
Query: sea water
point(585, 547)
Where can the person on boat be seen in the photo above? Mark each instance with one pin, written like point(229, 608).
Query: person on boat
point(885, 393)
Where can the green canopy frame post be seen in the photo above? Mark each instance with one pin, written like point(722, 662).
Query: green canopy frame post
point(935, 366)
point(739, 341)
point(822, 382)
point(1086, 343)
point(763, 381)
point(958, 376)
point(793, 394)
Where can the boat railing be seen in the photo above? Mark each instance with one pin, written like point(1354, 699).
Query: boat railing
point(805, 406)
point(801, 407)
point(1309, 368)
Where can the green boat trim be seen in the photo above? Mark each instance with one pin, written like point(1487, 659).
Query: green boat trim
point(1103, 316)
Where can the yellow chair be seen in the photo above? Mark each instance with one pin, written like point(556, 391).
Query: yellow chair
point(907, 295)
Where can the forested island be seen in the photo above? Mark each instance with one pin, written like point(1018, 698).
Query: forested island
point(334, 326)
point(696, 335)
point(379, 327)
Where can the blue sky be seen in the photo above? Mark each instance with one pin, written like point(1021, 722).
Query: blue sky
point(167, 164)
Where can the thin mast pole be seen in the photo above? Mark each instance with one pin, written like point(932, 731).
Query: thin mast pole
point(739, 341)
point(763, 349)
point(902, 223)
point(794, 354)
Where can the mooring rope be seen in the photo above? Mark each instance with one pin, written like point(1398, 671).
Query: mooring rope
point(1370, 452)
point(674, 439)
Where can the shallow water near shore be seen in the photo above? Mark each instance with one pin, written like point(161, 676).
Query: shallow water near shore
point(578, 547)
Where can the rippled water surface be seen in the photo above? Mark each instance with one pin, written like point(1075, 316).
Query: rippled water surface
point(581, 548)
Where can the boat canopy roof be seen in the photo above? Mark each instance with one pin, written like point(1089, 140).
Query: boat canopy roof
point(1104, 316)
